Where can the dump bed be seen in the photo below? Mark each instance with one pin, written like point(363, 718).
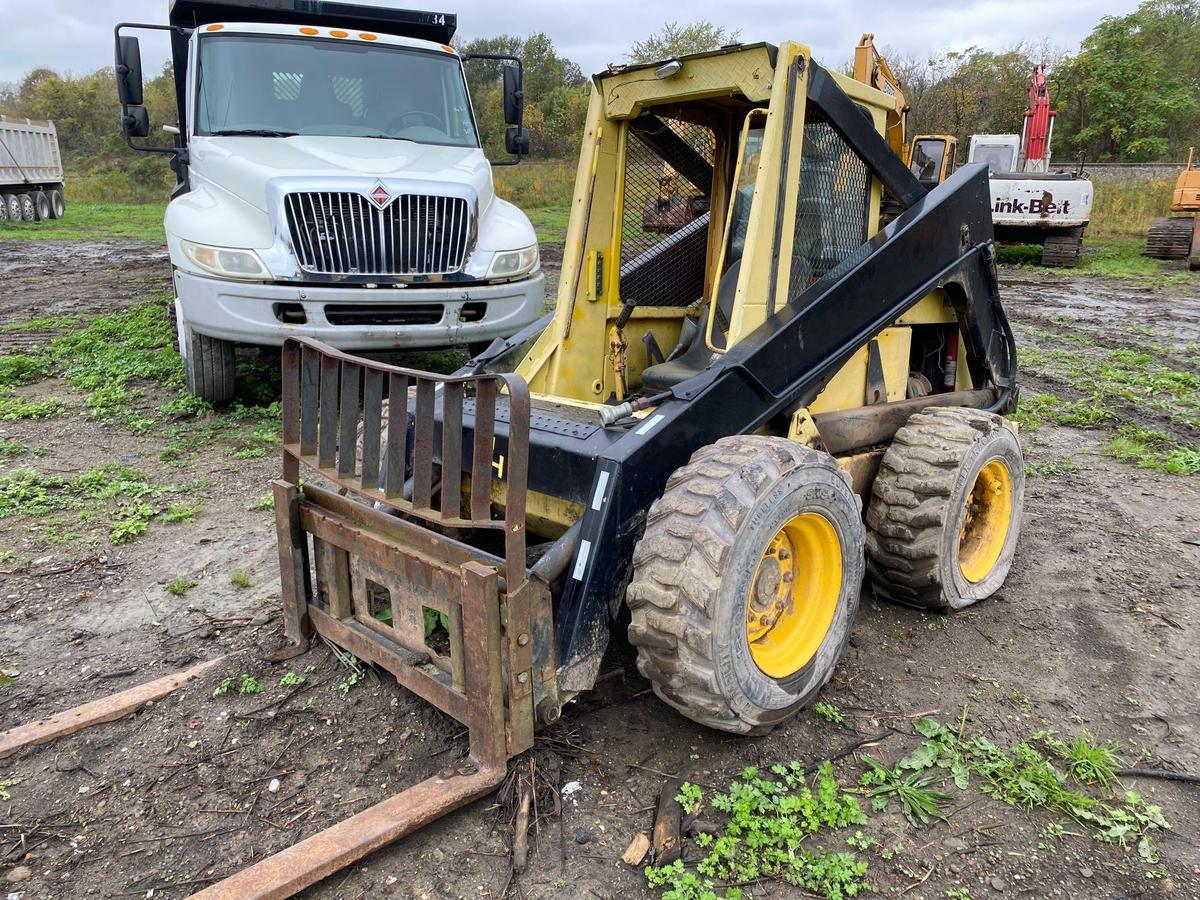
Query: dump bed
point(28, 152)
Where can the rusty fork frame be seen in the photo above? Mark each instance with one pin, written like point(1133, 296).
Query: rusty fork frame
point(493, 609)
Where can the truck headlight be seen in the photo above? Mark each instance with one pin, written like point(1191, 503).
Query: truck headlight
point(226, 262)
point(512, 263)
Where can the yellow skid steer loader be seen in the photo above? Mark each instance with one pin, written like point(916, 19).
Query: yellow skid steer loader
point(729, 421)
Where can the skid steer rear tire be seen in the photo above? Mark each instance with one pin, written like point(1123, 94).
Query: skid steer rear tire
point(945, 509)
point(210, 368)
point(697, 567)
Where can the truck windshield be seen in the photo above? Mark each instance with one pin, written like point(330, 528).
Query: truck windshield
point(277, 86)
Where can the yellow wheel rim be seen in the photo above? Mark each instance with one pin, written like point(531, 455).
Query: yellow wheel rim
point(987, 514)
point(794, 595)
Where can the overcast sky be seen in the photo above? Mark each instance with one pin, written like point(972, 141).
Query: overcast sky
point(76, 35)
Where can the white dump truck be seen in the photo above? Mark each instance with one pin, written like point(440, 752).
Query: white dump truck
point(331, 183)
point(31, 172)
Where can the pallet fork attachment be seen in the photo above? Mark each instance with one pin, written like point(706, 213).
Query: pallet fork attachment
point(352, 556)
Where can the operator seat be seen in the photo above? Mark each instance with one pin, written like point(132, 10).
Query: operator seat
point(693, 361)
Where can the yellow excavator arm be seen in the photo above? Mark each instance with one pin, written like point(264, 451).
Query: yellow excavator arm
point(871, 68)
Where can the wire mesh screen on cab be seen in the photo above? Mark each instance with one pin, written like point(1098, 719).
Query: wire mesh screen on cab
point(831, 213)
point(664, 219)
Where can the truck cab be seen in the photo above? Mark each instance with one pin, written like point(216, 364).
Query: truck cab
point(332, 185)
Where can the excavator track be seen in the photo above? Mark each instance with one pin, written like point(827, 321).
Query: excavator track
point(1061, 251)
point(1170, 238)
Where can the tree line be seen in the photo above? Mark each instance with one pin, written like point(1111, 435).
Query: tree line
point(1130, 92)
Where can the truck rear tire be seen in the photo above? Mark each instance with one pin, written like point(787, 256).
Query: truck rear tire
point(945, 510)
point(3, 207)
point(41, 206)
point(746, 582)
point(28, 208)
point(13, 202)
point(210, 369)
point(58, 204)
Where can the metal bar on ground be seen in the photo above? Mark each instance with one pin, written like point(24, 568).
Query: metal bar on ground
point(97, 712)
point(290, 871)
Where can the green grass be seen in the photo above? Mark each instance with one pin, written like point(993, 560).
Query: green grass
point(1150, 449)
point(1109, 257)
point(1122, 258)
point(179, 585)
point(93, 222)
point(111, 499)
point(112, 360)
point(1126, 207)
point(550, 222)
point(1116, 386)
point(1051, 468)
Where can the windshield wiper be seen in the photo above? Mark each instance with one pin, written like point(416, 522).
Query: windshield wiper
point(386, 137)
point(252, 132)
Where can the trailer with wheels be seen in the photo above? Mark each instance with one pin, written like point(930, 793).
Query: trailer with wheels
point(31, 172)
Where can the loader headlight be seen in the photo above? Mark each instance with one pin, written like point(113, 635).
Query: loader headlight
point(512, 263)
point(226, 262)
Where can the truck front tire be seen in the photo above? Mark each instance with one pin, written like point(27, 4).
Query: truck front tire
point(209, 366)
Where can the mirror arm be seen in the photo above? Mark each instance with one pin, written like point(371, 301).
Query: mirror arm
point(122, 69)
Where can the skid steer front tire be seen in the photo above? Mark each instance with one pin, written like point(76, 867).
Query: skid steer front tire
point(746, 582)
point(945, 509)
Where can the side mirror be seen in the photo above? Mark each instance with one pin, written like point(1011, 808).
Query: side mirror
point(135, 121)
point(514, 96)
point(516, 140)
point(129, 71)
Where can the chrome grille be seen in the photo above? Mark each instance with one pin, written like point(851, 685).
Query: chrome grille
point(342, 233)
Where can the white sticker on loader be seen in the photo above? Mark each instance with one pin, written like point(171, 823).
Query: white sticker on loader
point(601, 487)
point(585, 547)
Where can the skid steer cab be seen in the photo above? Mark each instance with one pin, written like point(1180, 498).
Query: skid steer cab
point(734, 416)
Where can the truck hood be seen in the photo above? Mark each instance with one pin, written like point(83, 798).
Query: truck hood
point(242, 166)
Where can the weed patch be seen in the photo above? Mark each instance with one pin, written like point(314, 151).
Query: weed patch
point(1034, 409)
point(1026, 776)
point(1051, 468)
point(829, 712)
point(1121, 382)
point(768, 816)
point(246, 684)
point(13, 408)
point(1151, 449)
point(179, 585)
point(113, 497)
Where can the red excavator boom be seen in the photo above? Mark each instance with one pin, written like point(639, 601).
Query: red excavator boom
point(1039, 121)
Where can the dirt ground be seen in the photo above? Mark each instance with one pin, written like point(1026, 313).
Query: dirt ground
point(1097, 628)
